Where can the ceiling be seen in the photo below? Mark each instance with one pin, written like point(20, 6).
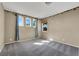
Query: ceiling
point(39, 9)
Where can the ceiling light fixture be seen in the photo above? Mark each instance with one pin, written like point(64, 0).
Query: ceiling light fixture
point(48, 3)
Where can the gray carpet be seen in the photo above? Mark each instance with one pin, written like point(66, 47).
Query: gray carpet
point(39, 48)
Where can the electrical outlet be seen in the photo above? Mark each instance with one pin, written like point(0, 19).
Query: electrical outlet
point(10, 39)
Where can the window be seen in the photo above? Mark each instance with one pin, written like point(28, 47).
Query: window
point(28, 21)
point(20, 20)
point(44, 27)
point(34, 23)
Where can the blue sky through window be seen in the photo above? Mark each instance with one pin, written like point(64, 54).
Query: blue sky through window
point(20, 21)
point(27, 21)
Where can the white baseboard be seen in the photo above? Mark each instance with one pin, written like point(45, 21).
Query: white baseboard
point(1, 47)
point(19, 41)
point(67, 43)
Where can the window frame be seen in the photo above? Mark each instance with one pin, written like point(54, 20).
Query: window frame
point(25, 22)
point(22, 21)
point(33, 19)
point(42, 27)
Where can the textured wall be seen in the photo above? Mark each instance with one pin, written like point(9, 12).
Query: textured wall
point(64, 28)
point(10, 24)
point(1, 27)
point(26, 33)
point(39, 29)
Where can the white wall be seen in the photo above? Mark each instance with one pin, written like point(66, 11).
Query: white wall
point(39, 29)
point(64, 28)
point(1, 27)
point(10, 25)
point(26, 33)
